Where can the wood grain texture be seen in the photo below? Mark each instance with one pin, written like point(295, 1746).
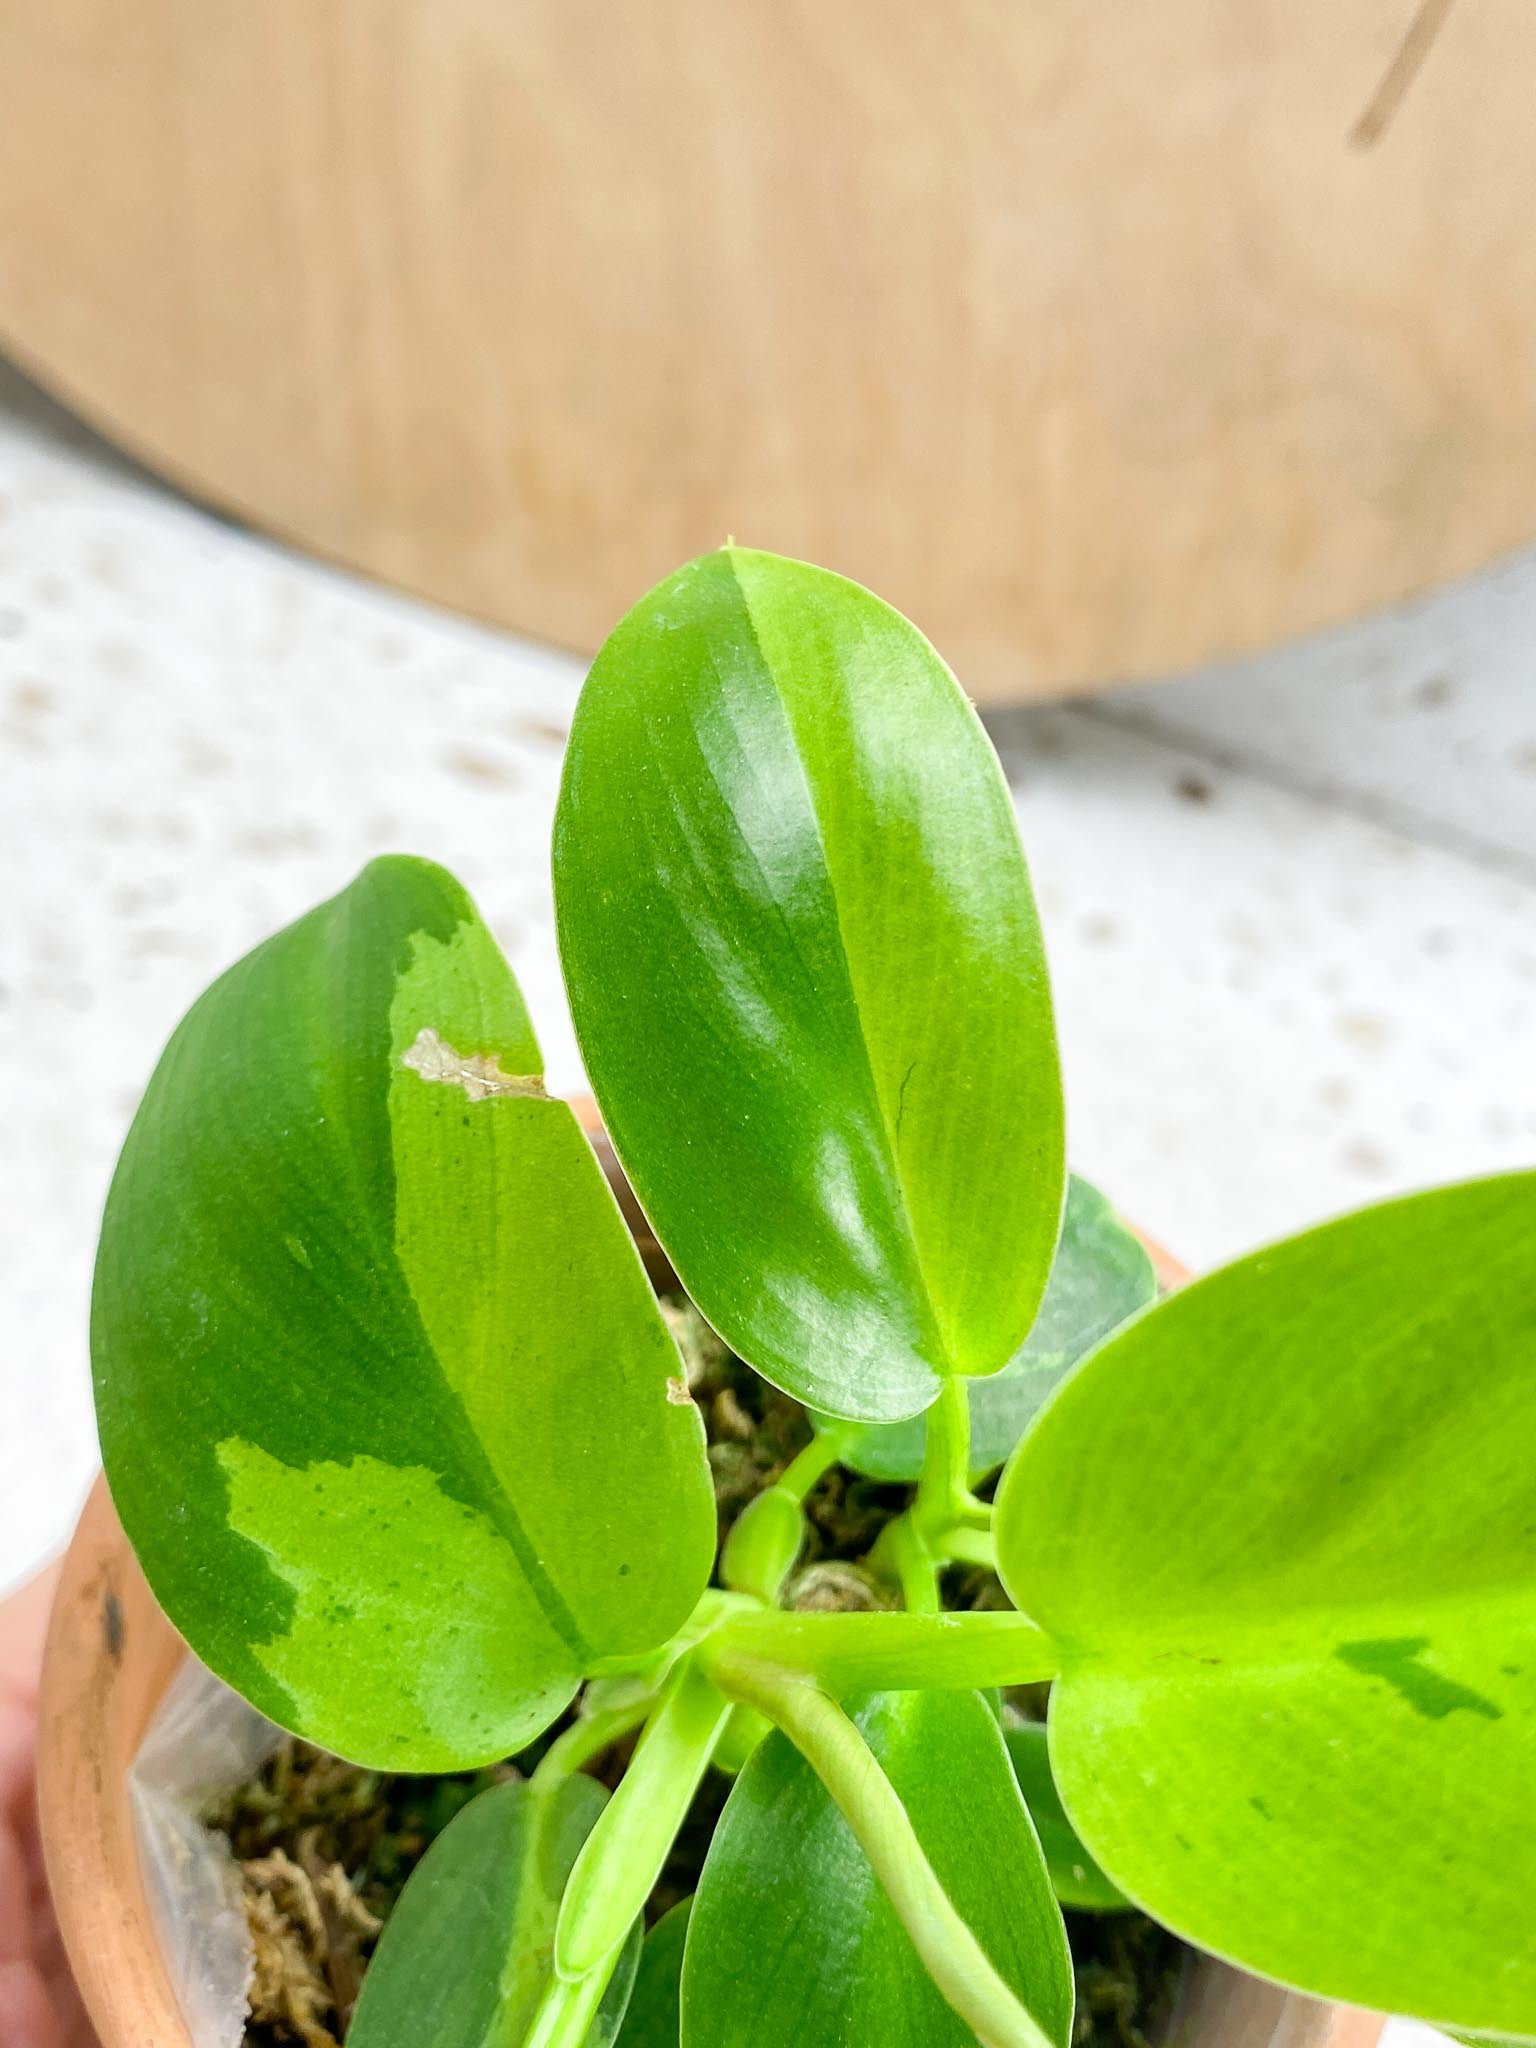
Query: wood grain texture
point(1102, 339)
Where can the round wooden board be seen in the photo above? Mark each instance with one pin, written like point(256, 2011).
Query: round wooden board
point(1102, 338)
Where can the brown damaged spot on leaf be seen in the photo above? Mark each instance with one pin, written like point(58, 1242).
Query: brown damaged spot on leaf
point(677, 1391)
point(702, 1352)
point(479, 1074)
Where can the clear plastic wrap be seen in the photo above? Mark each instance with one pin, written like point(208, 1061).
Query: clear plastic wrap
point(203, 1742)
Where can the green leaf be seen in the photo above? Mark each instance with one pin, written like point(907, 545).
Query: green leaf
point(1101, 1276)
point(807, 978)
point(467, 1951)
point(792, 1943)
point(388, 1409)
point(1282, 1530)
point(1076, 1878)
point(859, 1652)
point(654, 2016)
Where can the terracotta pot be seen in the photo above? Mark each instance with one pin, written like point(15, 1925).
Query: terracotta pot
point(111, 1655)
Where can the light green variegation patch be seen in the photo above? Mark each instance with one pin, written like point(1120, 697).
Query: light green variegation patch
point(383, 1389)
point(466, 1234)
point(1282, 1530)
point(418, 1583)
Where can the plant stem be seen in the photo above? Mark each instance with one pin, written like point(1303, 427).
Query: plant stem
point(588, 1736)
point(851, 1652)
point(845, 1764)
point(765, 1539)
point(623, 1856)
point(713, 1605)
point(944, 1498)
point(566, 2010)
point(944, 1490)
point(970, 1546)
point(902, 1552)
point(770, 1532)
point(811, 1464)
point(945, 1520)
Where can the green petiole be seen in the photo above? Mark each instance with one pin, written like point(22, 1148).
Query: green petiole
point(623, 1856)
point(812, 1464)
point(650, 1667)
point(841, 1758)
point(971, 1546)
point(761, 1549)
point(890, 1652)
point(945, 1521)
point(764, 1542)
point(944, 1491)
point(902, 1551)
point(587, 1737)
point(566, 2012)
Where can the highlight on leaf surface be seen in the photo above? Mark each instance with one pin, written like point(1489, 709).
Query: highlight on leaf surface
point(363, 1304)
point(807, 978)
point(466, 1953)
point(1100, 1276)
point(1296, 1719)
point(792, 1942)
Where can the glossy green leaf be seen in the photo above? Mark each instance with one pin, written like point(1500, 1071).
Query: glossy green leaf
point(1283, 1531)
point(1101, 1276)
point(807, 978)
point(1076, 1878)
point(387, 1406)
point(792, 1943)
point(467, 1951)
point(654, 2017)
point(859, 1652)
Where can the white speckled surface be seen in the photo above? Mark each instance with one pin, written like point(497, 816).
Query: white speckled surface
point(1290, 907)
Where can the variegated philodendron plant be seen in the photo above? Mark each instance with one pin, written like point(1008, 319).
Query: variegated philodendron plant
point(404, 1444)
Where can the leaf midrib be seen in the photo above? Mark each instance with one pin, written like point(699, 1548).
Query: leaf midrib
point(904, 1204)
